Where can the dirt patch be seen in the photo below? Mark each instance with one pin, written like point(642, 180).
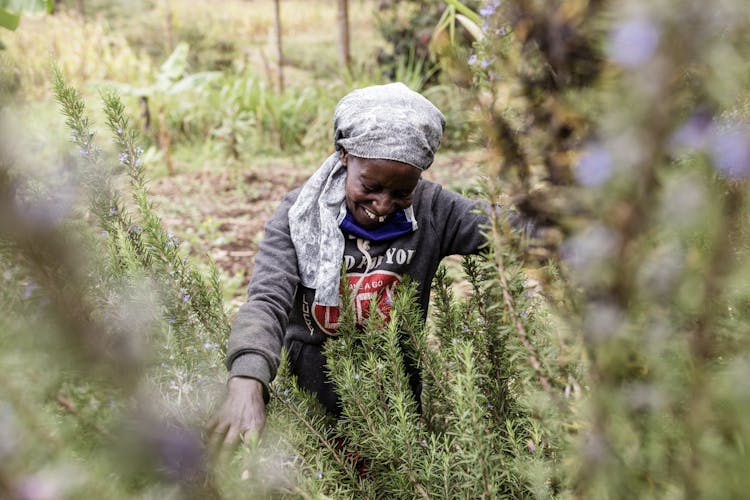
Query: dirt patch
point(222, 214)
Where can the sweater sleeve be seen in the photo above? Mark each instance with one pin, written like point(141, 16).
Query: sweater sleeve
point(258, 331)
point(458, 223)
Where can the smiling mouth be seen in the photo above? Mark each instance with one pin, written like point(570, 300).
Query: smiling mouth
point(373, 216)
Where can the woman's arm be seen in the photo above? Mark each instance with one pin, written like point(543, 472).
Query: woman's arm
point(257, 335)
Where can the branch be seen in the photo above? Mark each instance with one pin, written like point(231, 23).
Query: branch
point(520, 329)
point(321, 439)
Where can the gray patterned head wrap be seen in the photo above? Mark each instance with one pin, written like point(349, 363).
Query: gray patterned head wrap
point(388, 122)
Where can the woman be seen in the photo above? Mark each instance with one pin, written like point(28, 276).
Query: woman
point(366, 208)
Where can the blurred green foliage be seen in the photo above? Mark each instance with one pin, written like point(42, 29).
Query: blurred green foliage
point(611, 343)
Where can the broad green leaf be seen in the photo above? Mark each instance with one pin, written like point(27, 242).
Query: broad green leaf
point(174, 67)
point(27, 6)
point(8, 20)
point(11, 10)
point(194, 81)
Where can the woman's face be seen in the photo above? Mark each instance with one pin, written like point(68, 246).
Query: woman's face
point(377, 188)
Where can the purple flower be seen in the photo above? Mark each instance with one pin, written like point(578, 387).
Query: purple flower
point(531, 446)
point(695, 133)
point(28, 290)
point(633, 42)
point(180, 453)
point(119, 130)
point(730, 152)
point(186, 297)
point(594, 167)
point(485, 63)
point(319, 475)
point(112, 212)
point(472, 60)
point(489, 8)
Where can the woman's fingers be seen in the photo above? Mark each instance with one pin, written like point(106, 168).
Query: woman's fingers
point(216, 437)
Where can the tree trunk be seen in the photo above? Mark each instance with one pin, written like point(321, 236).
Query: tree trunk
point(145, 113)
point(344, 45)
point(165, 142)
point(168, 22)
point(279, 51)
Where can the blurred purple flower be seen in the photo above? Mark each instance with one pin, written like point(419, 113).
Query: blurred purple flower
point(472, 60)
point(489, 8)
point(531, 446)
point(695, 132)
point(633, 42)
point(730, 152)
point(485, 63)
point(112, 212)
point(29, 289)
point(180, 453)
point(594, 167)
point(585, 250)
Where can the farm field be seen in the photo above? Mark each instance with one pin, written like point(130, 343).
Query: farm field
point(596, 347)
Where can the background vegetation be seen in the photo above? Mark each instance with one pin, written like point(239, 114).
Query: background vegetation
point(603, 355)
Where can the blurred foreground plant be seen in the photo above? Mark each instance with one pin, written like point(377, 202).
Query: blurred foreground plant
point(107, 330)
point(625, 126)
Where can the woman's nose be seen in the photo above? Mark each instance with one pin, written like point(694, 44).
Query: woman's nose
point(383, 204)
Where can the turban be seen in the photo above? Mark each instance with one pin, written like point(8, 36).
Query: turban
point(389, 122)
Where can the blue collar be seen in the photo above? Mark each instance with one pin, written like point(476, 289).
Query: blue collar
point(394, 226)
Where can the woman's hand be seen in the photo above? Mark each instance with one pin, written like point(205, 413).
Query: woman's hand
point(240, 418)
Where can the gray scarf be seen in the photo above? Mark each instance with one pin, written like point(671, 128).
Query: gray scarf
point(389, 122)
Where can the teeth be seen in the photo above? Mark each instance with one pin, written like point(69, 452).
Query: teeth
point(372, 216)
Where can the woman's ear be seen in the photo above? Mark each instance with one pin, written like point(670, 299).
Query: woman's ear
point(343, 157)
